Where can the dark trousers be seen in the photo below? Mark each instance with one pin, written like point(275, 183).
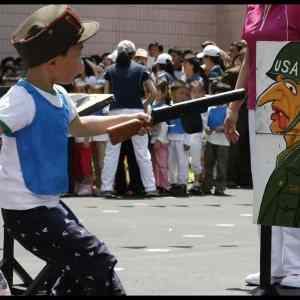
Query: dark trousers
point(56, 236)
point(239, 154)
point(135, 182)
point(215, 155)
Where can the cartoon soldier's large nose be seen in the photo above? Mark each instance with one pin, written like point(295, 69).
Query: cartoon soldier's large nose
point(274, 92)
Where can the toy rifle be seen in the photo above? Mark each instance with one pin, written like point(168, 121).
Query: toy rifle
point(88, 104)
point(188, 111)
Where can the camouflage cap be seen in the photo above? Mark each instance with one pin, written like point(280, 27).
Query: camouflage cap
point(50, 31)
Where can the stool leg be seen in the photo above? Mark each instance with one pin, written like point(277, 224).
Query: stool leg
point(22, 273)
point(8, 257)
point(40, 279)
point(9, 264)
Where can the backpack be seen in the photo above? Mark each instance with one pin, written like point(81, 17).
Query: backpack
point(216, 116)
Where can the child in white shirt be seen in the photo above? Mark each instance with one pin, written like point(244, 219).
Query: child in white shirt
point(179, 145)
point(216, 150)
point(196, 91)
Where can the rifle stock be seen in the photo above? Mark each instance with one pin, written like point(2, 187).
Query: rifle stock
point(124, 131)
point(121, 132)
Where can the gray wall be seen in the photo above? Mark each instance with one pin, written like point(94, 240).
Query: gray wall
point(185, 26)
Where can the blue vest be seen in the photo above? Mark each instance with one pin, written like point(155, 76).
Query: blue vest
point(216, 116)
point(43, 146)
point(175, 126)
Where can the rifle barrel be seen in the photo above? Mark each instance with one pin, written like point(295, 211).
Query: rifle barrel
point(177, 110)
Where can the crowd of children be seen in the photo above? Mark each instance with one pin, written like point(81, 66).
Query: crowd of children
point(178, 158)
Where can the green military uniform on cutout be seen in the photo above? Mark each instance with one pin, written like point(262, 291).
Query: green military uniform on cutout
point(280, 205)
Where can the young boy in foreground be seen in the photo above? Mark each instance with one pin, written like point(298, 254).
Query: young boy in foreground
point(36, 116)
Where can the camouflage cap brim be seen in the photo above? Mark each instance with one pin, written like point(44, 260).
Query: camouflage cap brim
point(90, 29)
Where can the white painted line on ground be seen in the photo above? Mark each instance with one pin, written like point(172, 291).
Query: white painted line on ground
point(225, 225)
point(246, 215)
point(110, 211)
point(158, 250)
point(140, 204)
point(193, 236)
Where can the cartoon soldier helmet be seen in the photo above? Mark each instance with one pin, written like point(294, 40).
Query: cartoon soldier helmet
point(287, 63)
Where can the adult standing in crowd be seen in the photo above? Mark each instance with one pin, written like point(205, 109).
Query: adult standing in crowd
point(265, 22)
point(234, 53)
point(154, 49)
point(239, 172)
point(177, 59)
point(141, 56)
point(135, 186)
point(128, 81)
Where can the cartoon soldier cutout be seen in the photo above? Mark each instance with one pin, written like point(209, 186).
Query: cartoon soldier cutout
point(281, 199)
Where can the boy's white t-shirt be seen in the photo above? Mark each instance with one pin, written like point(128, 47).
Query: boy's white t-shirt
point(17, 110)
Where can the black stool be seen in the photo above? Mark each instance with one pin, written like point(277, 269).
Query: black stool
point(40, 285)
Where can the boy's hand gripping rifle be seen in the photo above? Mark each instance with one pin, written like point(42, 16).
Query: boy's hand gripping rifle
point(189, 111)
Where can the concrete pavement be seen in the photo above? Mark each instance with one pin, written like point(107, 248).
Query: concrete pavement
point(173, 246)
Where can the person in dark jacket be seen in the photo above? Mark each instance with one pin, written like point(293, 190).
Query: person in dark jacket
point(129, 82)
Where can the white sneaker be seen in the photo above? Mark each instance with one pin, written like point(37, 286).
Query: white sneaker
point(254, 279)
point(291, 281)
